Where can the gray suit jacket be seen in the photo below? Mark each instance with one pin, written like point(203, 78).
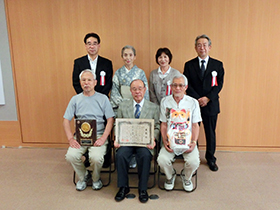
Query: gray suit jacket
point(148, 111)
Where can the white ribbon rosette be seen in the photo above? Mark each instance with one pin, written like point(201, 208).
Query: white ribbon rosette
point(102, 78)
point(214, 79)
point(168, 88)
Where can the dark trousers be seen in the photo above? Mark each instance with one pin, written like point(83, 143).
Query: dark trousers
point(209, 123)
point(143, 159)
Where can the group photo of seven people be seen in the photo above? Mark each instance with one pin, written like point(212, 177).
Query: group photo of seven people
point(177, 103)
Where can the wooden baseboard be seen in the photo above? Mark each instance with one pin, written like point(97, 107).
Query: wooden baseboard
point(10, 133)
point(11, 137)
point(243, 148)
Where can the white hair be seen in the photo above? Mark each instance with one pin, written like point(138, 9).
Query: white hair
point(87, 70)
point(181, 76)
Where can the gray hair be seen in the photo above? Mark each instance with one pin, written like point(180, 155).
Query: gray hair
point(129, 47)
point(87, 70)
point(201, 37)
point(137, 80)
point(181, 76)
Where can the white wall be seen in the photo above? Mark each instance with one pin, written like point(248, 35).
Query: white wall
point(8, 111)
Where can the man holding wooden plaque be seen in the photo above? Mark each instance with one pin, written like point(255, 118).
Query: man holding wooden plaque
point(89, 109)
point(136, 108)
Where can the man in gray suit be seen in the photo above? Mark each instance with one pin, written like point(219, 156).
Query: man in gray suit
point(137, 107)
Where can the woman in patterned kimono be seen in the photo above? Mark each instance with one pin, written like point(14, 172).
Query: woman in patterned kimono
point(161, 78)
point(124, 76)
point(121, 83)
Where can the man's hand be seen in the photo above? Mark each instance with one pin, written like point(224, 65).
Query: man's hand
point(99, 142)
point(203, 101)
point(116, 145)
point(74, 144)
point(152, 146)
point(167, 146)
point(163, 130)
point(192, 146)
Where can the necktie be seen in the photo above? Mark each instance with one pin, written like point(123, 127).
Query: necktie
point(137, 111)
point(202, 68)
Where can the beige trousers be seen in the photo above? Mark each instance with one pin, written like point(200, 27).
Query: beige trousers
point(96, 159)
point(165, 160)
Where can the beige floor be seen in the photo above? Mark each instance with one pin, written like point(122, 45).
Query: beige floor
point(41, 179)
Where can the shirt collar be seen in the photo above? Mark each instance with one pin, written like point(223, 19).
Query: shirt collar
point(126, 70)
point(168, 71)
point(141, 103)
point(89, 58)
point(206, 59)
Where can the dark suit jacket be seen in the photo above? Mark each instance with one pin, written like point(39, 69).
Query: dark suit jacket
point(103, 64)
point(199, 87)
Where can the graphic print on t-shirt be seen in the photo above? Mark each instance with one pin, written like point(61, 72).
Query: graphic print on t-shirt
point(178, 132)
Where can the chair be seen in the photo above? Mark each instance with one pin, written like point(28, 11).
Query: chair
point(153, 169)
point(161, 178)
point(107, 168)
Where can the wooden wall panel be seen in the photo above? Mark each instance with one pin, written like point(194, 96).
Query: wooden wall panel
point(39, 55)
point(46, 36)
point(240, 31)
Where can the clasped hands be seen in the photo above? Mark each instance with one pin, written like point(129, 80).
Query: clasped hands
point(203, 101)
point(74, 144)
point(191, 145)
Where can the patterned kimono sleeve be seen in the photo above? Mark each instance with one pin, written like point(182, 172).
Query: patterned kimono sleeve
point(144, 78)
point(116, 97)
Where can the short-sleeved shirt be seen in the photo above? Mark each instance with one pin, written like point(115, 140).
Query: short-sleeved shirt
point(90, 107)
point(188, 106)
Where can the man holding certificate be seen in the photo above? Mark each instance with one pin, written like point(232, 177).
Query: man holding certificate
point(87, 107)
point(179, 116)
point(138, 108)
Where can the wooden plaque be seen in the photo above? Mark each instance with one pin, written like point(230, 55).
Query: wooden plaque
point(85, 132)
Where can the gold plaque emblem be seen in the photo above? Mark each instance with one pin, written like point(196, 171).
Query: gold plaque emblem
point(85, 127)
point(85, 131)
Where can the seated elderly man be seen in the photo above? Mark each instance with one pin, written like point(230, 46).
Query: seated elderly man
point(137, 107)
point(88, 105)
point(181, 112)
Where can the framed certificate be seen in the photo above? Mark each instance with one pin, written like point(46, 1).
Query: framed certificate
point(85, 132)
point(134, 132)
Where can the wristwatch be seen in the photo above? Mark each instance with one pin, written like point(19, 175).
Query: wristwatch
point(193, 141)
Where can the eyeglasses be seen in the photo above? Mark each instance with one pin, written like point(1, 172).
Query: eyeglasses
point(177, 85)
point(202, 45)
point(134, 89)
point(92, 44)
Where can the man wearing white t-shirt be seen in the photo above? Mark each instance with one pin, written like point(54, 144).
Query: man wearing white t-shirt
point(176, 110)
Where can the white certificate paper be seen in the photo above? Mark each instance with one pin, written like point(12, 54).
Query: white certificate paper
point(135, 132)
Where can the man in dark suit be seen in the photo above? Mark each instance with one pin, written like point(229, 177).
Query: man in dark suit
point(102, 67)
point(206, 78)
point(140, 108)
